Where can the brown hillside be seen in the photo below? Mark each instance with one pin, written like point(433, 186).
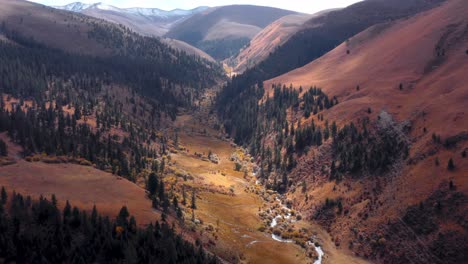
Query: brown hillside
point(415, 70)
point(83, 186)
point(274, 35)
point(405, 52)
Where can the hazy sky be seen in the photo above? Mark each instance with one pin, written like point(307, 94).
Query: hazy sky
point(305, 6)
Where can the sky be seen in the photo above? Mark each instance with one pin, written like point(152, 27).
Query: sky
point(304, 6)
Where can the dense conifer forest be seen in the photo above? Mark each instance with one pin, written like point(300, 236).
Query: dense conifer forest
point(265, 129)
point(65, 89)
point(40, 232)
point(145, 64)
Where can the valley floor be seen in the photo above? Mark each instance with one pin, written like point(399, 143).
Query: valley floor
point(228, 201)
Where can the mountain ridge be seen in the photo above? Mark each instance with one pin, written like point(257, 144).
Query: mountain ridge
point(146, 11)
point(223, 31)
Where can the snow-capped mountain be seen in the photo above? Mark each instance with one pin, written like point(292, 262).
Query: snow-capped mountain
point(141, 11)
point(75, 7)
point(146, 21)
point(164, 13)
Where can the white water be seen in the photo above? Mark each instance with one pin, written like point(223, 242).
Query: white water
point(274, 223)
point(253, 242)
point(280, 239)
point(320, 255)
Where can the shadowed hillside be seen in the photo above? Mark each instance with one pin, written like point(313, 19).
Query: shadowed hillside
point(222, 31)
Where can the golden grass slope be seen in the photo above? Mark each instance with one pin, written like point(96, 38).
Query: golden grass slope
point(427, 55)
point(271, 37)
point(83, 186)
point(385, 56)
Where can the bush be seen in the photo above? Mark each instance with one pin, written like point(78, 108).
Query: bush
point(51, 160)
point(277, 232)
point(86, 163)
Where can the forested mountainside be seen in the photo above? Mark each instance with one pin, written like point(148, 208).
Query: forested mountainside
point(88, 93)
point(106, 45)
point(368, 137)
point(323, 33)
point(134, 87)
point(151, 22)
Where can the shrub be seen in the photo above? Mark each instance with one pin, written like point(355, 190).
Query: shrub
point(51, 160)
point(36, 158)
point(84, 162)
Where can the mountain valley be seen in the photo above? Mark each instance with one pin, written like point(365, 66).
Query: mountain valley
point(234, 134)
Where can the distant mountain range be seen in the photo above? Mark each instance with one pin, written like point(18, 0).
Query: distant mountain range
point(218, 32)
point(147, 12)
point(223, 31)
point(147, 21)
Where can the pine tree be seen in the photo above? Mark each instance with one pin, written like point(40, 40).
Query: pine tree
point(94, 215)
point(3, 148)
point(54, 200)
point(66, 212)
point(451, 165)
point(193, 205)
point(152, 185)
point(184, 195)
point(122, 218)
point(451, 185)
point(4, 196)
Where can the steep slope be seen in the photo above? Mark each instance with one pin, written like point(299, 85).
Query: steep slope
point(222, 31)
point(413, 72)
point(267, 40)
point(187, 48)
point(323, 33)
